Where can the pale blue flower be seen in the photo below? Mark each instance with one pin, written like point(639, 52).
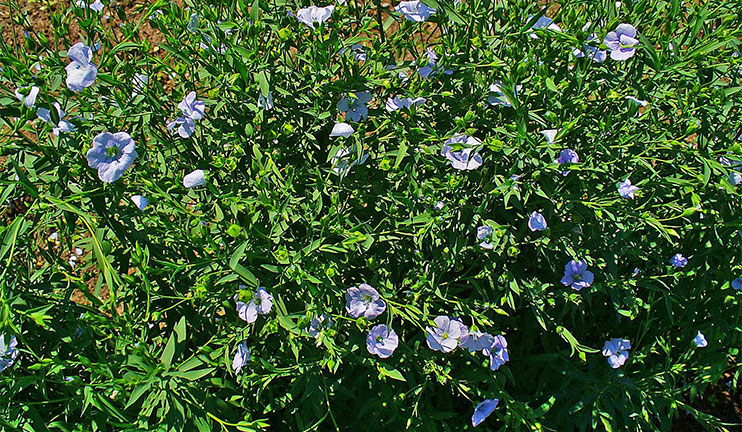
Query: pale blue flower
point(207, 45)
point(542, 23)
point(261, 303)
point(241, 357)
point(737, 284)
point(568, 156)
point(265, 102)
point(96, 5)
point(27, 95)
point(476, 341)
point(617, 352)
point(140, 201)
point(342, 129)
point(395, 103)
point(193, 110)
point(700, 340)
point(622, 42)
point(678, 260)
point(314, 15)
point(444, 336)
point(8, 353)
point(462, 159)
point(483, 410)
point(318, 324)
point(358, 51)
point(626, 189)
point(432, 67)
point(365, 301)
point(81, 72)
point(414, 10)
point(401, 75)
point(550, 135)
point(195, 178)
point(735, 177)
point(111, 155)
point(382, 341)
point(355, 108)
point(497, 352)
point(193, 23)
point(62, 126)
point(596, 54)
point(537, 222)
point(484, 234)
point(498, 95)
point(577, 275)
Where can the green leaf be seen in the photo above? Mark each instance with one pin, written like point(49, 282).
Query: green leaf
point(391, 373)
point(167, 354)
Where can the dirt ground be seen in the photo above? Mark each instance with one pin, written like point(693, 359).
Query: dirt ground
point(35, 17)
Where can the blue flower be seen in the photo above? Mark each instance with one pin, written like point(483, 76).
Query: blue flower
point(497, 352)
point(140, 201)
point(550, 135)
point(700, 340)
point(414, 10)
point(537, 222)
point(483, 410)
point(679, 261)
point(193, 110)
point(96, 5)
point(577, 275)
point(195, 178)
point(365, 301)
point(568, 156)
point(241, 357)
point(111, 155)
point(737, 284)
point(395, 103)
point(462, 159)
point(81, 72)
point(476, 341)
point(617, 352)
point(8, 353)
point(355, 108)
point(265, 102)
point(313, 14)
point(261, 303)
point(27, 95)
point(735, 177)
point(63, 126)
point(319, 323)
point(342, 129)
point(626, 189)
point(596, 54)
point(484, 234)
point(622, 42)
point(382, 341)
point(445, 335)
point(432, 67)
point(498, 96)
point(543, 23)
point(139, 83)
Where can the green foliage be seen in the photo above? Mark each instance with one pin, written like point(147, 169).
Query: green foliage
point(140, 333)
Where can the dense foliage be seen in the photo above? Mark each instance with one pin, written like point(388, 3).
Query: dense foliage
point(129, 277)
